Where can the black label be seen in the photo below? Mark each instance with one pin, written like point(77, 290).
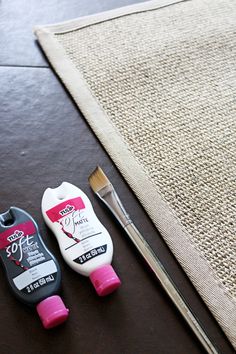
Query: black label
point(91, 254)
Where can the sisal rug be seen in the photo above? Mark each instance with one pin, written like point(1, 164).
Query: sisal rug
point(157, 83)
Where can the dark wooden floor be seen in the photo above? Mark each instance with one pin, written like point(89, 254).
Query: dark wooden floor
point(43, 141)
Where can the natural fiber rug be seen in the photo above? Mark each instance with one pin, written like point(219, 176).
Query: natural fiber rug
point(157, 83)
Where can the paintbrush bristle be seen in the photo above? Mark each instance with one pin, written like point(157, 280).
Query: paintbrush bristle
point(98, 180)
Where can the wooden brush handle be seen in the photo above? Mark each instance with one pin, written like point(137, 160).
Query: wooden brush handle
point(169, 286)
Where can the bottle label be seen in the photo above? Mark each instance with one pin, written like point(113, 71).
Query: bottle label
point(91, 254)
point(24, 256)
point(81, 229)
point(65, 209)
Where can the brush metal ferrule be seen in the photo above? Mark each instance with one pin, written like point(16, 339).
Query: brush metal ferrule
point(109, 196)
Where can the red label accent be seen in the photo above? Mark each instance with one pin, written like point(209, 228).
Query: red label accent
point(15, 232)
point(65, 208)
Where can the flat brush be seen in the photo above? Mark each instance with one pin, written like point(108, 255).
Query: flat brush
point(103, 188)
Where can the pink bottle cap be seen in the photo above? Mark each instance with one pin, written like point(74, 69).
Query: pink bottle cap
point(52, 311)
point(105, 280)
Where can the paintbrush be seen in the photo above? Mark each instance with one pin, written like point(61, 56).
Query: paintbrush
point(103, 188)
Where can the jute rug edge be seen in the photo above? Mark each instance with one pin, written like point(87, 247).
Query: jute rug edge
point(222, 307)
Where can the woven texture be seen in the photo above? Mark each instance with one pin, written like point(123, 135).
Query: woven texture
point(166, 79)
point(171, 95)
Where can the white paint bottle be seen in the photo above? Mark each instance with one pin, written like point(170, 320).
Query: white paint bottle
point(85, 244)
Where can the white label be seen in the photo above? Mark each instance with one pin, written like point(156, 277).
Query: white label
point(34, 273)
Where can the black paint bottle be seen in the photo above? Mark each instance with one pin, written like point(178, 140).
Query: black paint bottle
point(32, 271)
